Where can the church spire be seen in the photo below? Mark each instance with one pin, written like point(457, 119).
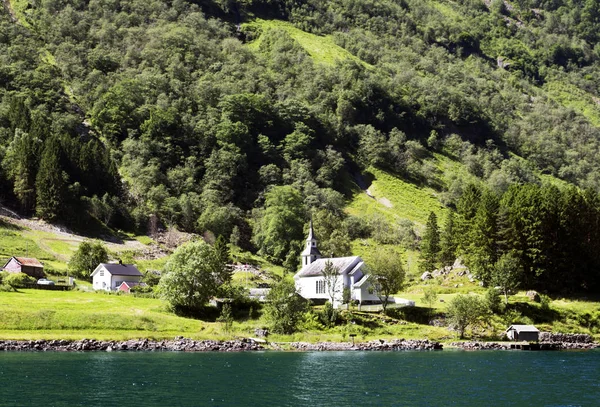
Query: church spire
point(310, 253)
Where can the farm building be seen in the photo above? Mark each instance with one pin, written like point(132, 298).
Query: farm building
point(31, 267)
point(527, 333)
point(110, 276)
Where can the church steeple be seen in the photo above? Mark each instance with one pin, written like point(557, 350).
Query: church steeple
point(310, 253)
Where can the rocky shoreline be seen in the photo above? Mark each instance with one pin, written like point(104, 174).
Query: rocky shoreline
point(377, 345)
point(177, 345)
point(181, 344)
point(538, 346)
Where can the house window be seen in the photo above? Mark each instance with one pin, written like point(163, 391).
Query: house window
point(101, 273)
point(320, 287)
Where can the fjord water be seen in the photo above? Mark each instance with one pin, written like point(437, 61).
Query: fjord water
point(457, 378)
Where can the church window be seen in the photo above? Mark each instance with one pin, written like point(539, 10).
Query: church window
point(320, 287)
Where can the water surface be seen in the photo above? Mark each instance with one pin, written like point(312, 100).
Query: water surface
point(443, 378)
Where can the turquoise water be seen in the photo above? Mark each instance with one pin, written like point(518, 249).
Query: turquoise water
point(446, 378)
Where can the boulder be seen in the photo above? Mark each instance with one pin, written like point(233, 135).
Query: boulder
point(426, 276)
point(533, 295)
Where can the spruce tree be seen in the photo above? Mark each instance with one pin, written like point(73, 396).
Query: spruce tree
point(448, 241)
point(430, 245)
point(50, 182)
point(483, 248)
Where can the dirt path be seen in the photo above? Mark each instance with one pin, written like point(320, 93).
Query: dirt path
point(61, 234)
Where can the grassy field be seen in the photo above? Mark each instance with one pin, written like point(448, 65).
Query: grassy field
point(322, 49)
point(395, 199)
point(40, 314)
point(76, 314)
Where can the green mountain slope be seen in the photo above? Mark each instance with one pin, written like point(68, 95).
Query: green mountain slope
point(212, 116)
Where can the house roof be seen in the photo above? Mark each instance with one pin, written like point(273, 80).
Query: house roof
point(117, 269)
point(523, 328)
point(343, 264)
point(356, 268)
point(27, 261)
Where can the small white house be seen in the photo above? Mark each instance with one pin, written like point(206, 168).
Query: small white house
point(311, 284)
point(110, 276)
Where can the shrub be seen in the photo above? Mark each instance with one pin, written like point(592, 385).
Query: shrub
point(328, 315)
point(17, 280)
point(545, 302)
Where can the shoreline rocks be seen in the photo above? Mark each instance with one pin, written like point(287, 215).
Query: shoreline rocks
point(542, 345)
point(377, 345)
point(179, 344)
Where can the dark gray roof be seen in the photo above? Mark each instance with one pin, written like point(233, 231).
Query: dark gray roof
point(343, 264)
point(523, 328)
point(122, 269)
point(311, 232)
point(310, 250)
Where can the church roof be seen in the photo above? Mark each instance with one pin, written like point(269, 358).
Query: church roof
point(310, 250)
point(360, 282)
point(311, 232)
point(343, 264)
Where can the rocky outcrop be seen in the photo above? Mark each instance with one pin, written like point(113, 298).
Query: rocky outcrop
point(377, 345)
point(565, 338)
point(542, 345)
point(178, 344)
point(480, 345)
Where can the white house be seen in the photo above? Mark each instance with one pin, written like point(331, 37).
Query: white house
point(311, 284)
point(110, 276)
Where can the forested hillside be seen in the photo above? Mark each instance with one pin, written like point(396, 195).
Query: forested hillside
point(243, 118)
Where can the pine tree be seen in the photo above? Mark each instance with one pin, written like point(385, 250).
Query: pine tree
point(430, 245)
point(483, 248)
point(448, 243)
point(50, 182)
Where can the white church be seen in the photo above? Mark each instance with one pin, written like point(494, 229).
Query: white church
point(352, 275)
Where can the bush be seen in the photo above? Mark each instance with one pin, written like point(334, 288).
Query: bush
point(328, 315)
point(18, 280)
point(545, 302)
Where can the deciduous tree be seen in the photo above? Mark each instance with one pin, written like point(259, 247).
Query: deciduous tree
point(193, 274)
point(386, 274)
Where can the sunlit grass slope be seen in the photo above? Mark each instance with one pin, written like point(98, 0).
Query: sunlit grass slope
point(395, 199)
point(322, 49)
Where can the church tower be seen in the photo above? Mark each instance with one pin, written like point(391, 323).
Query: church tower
point(310, 253)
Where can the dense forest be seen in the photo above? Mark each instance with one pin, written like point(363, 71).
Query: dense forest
point(141, 114)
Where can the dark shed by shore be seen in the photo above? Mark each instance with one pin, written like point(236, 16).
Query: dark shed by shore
point(527, 333)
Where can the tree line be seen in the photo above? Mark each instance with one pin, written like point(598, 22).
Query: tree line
point(539, 236)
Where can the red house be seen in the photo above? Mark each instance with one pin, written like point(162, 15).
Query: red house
point(29, 266)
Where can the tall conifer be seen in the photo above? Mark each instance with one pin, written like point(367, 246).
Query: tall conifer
point(430, 245)
point(50, 182)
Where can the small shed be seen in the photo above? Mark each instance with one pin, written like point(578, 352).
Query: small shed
point(527, 333)
point(126, 286)
point(30, 266)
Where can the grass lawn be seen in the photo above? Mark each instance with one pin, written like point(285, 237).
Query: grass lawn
point(75, 314)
